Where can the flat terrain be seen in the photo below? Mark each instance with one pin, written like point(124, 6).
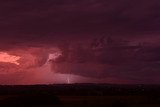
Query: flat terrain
point(80, 95)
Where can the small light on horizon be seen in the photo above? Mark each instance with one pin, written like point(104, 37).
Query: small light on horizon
point(68, 80)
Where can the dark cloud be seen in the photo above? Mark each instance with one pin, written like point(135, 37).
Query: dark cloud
point(78, 26)
point(39, 18)
point(139, 63)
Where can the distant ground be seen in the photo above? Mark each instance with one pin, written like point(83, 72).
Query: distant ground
point(80, 95)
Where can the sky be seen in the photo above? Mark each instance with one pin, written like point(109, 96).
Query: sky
point(79, 41)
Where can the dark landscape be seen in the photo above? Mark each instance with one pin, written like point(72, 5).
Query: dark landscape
point(80, 95)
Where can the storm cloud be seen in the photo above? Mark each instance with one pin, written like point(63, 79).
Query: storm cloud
point(110, 40)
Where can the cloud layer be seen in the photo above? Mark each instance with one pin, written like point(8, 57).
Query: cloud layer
point(31, 29)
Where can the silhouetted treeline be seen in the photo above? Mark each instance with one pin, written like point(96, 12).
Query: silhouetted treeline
point(82, 89)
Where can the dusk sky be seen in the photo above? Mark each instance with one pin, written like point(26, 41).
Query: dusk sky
point(79, 41)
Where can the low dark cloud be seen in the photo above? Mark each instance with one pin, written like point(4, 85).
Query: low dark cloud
point(107, 57)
